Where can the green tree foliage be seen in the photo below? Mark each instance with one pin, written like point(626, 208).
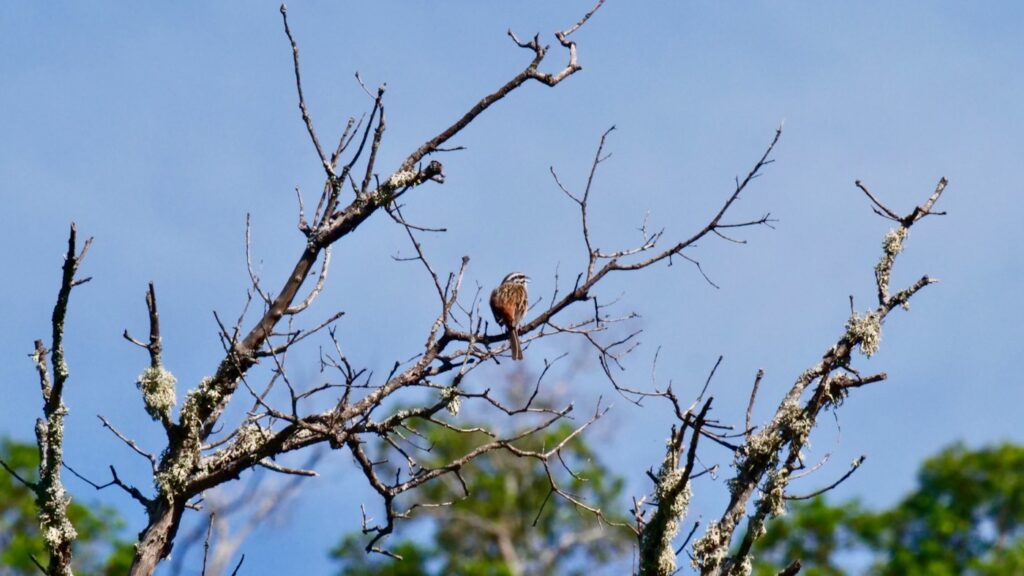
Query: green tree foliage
point(497, 530)
point(98, 549)
point(966, 516)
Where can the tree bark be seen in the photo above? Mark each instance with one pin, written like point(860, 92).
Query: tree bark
point(156, 541)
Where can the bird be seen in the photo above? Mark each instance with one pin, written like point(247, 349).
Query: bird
point(508, 304)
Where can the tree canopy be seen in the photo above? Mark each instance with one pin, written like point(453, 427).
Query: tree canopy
point(966, 516)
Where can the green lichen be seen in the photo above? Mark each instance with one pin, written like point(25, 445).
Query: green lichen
point(250, 439)
point(402, 179)
point(57, 530)
point(175, 472)
point(451, 395)
point(710, 549)
point(676, 501)
point(763, 447)
point(744, 568)
point(892, 245)
point(867, 330)
point(672, 492)
point(772, 499)
point(792, 418)
point(385, 193)
point(158, 393)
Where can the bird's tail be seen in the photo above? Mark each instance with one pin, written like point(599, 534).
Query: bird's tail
point(517, 349)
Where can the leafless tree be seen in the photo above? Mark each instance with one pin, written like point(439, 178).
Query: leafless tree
point(203, 452)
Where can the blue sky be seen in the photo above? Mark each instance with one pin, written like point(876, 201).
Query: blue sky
point(157, 128)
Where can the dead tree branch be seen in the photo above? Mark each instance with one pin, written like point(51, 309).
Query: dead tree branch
point(52, 499)
point(775, 452)
point(184, 470)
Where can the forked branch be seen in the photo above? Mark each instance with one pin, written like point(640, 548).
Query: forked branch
point(51, 498)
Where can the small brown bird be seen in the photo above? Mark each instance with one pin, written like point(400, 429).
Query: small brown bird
point(508, 304)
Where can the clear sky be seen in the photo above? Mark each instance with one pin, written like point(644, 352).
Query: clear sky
point(157, 128)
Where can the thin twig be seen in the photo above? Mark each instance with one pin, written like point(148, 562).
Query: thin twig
point(206, 541)
point(328, 167)
point(853, 468)
point(13, 473)
point(753, 398)
point(131, 443)
point(238, 566)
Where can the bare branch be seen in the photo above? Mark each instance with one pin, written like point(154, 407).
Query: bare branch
point(38, 564)
point(853, 468)
point(378, 134)
point(155, 346)
point(881, 209)
point(576, 26)
point(343, 142)
point(531, 72)
point(115, 481)
point(238, 566)
point(129, 442)
point(14, 474)
point(753, 398)
point(716, 220)
point(209, 529)
point(792, 570)
point(321, 279)
point(269, 465)
point(328, 166)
